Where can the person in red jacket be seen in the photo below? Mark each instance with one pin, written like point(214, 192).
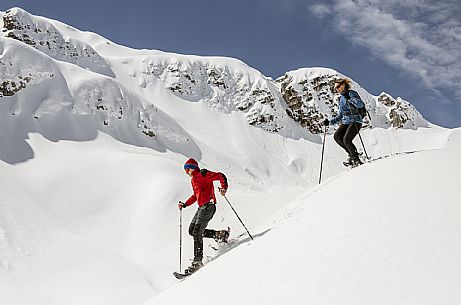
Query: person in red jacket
point(202, 185)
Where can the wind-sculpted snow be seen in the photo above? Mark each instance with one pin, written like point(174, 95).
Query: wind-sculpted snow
point(301, 98)
point(223, 84)
point(305, 96)
point(63, 101)
point(42, 35)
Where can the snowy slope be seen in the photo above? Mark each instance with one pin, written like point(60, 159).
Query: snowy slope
point(93, 137)
point(359, 238)
point(80, 102)
point(106, 217)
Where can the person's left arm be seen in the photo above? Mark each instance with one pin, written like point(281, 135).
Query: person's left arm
point(339, 116)
point(217, 176)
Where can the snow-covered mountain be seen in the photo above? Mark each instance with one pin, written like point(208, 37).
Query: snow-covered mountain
point(225, 84)
point(93, 136)
point(309, 95)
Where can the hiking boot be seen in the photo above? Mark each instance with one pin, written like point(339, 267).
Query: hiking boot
point(353, 160)
point(196, 265)
point(356, 162)
point(349, 161)
point(222, 235)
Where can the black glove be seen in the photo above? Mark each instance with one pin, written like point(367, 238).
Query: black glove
point(182, 205)
point(326, 122)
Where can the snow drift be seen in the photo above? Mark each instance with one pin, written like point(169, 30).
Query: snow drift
point(93, 136)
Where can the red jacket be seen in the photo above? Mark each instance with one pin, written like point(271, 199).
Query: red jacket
point(202, 185)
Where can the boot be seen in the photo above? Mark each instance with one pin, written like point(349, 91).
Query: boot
point(349, 161)
point(356, 162)
point(196, 265)
point(352, 160)
point(222, 235)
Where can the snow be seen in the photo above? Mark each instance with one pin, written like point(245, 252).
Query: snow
point(88, 210)
point(106, 217)
point(313, 72)
point(387, 241)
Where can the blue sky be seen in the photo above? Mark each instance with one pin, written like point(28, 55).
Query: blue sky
point(410, 49)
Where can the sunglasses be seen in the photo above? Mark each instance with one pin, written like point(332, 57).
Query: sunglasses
point(187, 170)
point(337, 86)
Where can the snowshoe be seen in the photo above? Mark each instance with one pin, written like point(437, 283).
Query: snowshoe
point(196, 265)
point(180, 276)
point(356, 162)
point(222, 236)
point(353, 162)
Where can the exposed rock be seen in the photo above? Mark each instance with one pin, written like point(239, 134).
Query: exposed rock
point(10, 87)
point(21, 26)
point(224, 90)
point(301, 97)
point(310, 99)
point(386, 100)
point(400, 113)
point(307, 98)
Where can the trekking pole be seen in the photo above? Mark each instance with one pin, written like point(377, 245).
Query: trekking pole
point(180, 240)
point(323, 149)
point(237, 216)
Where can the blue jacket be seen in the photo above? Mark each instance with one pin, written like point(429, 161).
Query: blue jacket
point(344, 112)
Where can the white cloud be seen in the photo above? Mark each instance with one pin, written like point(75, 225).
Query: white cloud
point(420, 37)
point(320, 10)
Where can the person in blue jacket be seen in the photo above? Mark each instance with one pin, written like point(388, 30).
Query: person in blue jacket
point(349, 119)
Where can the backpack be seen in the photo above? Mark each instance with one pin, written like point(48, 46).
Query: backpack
point(362, 111)
point(356, 105)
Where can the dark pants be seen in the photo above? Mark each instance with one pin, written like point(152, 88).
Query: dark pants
point(197, 228)
point(344, 136)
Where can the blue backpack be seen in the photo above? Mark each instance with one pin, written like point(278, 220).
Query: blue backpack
point(356, 105)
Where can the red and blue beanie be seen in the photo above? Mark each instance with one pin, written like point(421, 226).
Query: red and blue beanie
point(191, 163)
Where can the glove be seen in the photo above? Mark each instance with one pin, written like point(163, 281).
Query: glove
point(182, 205)
point(326, 122)
point(222, 191)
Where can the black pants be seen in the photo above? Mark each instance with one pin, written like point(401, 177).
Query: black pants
point(197, 228)
point(344, 136)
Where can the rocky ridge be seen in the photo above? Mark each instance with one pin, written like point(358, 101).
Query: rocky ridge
point(225, 90)
point(40, 34)
point(310, 98)
point(302, 97)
